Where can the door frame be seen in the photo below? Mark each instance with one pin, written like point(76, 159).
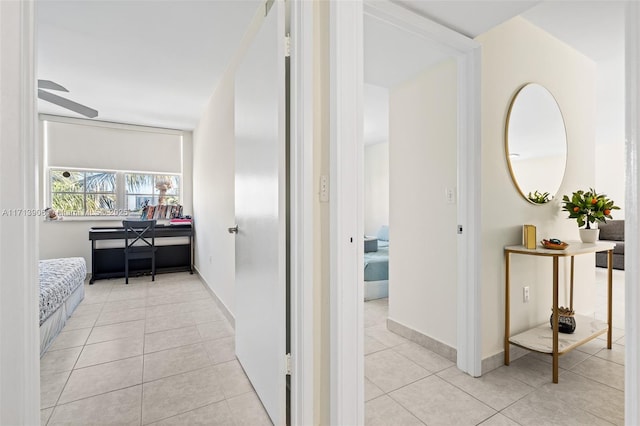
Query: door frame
point(632, 219)
point(22, 405)
point(347, 327)
point(346, 374)
point(346, 363)
point(301, 214)
point(19, 292)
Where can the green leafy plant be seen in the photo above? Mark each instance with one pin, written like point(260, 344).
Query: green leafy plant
point(587, 207)
point(539, 198)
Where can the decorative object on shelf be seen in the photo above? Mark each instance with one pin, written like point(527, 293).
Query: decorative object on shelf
point(51, 214)
point(163, 184)
point(566, 320)
point(145, 208)
point(588, 207)
point(554, 244)
point(539, 198)
point(529, 236)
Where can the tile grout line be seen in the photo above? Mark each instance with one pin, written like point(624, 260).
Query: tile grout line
point(144, 342)
point(500, 413)
point(536, 389)
point(592, 356)
point(76, 361)
point(474, 397)
point(399, 403)
point(108, 292)
point(436, 374)
point(93, 396)
point(71, 372)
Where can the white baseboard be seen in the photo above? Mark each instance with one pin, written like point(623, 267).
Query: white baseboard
point(488, 364)
point(495, 361)
point(417, 337)
point(227, 313)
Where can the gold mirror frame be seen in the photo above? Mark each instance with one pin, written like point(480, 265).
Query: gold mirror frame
point(547, 111)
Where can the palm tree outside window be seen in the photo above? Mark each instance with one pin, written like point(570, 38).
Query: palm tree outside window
point(83, 193)
point(109, 193)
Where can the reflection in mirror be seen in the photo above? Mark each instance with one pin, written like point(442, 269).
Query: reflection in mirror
point(536, 144)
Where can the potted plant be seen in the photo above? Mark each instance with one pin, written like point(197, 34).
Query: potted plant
point(539, 198)
point(588, 207)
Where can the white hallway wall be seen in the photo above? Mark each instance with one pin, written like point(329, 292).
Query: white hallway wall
point(213, 190)
point(610, 170)
point(376, 187)
point(515, 53)
point(422, 249)
point(214, 180)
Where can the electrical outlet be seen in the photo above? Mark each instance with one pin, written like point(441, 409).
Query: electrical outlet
point(525, 294)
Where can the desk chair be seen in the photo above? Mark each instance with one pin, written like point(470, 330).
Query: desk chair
point(142, 233)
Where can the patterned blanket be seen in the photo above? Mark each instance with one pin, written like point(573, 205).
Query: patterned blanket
point(58, 279)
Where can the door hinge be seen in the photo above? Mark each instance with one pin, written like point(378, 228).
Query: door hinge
point(287, 46)
point(459, 229)
point(267, 6)
point(288, 364)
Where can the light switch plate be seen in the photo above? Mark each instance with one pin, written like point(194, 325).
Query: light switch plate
point(324, 188)
point(450, 195)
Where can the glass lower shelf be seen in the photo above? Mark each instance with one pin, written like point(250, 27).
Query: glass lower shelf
point(540, 338)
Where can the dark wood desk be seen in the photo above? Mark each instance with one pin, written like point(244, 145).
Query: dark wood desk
point(108, 262)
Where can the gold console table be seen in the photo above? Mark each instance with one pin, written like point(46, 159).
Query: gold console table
point(543, 338)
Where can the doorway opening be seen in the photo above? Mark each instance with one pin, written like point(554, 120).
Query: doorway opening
point(410, 211)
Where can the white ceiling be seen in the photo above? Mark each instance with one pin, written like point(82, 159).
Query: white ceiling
point(470, 18)
point(393, 55)
point(143, 62)
point(156, 62)
point(595, 28)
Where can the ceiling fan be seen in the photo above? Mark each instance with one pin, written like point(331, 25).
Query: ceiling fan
point(60, 101)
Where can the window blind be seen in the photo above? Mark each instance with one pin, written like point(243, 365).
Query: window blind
point(104, 147)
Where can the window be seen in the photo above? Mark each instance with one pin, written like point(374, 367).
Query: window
point(151, 189)
point(83, 193)
point(110, 193)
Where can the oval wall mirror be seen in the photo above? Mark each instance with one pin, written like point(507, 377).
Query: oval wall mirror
point(536, 144)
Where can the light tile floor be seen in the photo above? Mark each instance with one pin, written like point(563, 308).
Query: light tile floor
point(163, 353)
point(406, 384)
point(147, 353)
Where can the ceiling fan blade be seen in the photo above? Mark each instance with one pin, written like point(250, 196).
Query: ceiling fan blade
point(66, 103)
point(50, 85)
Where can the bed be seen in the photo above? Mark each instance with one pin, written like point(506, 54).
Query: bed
point(61, 290)
point(376, 268)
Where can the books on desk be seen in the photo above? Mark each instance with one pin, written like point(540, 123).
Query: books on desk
point(180, 222)
point(162, 212)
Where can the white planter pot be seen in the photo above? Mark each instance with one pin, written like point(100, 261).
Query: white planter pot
point(589, 235)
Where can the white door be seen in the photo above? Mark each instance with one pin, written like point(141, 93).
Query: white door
point(260, 204)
